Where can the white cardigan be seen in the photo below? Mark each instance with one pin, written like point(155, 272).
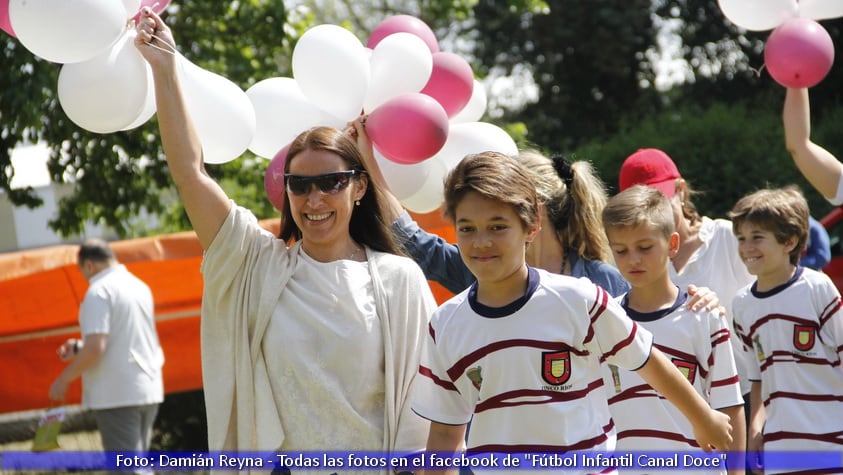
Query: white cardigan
point(245, 270)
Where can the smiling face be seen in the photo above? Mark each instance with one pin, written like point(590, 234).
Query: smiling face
point(323, 217)
point(764, 256)
point(492, 239)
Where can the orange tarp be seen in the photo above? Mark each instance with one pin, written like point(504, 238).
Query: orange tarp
point(40, 293)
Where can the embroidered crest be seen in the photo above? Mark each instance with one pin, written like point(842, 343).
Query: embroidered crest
point(616, 378)
point(804, 337)
point(557, 366)
point(687, 368)
point(759, 350)
point(475, 375)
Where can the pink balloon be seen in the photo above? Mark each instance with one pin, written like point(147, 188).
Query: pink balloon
point(273, 179)
point(157, 6)
point(5, 23)
point(408, 128)
point(451, 82)
point(403, 23)
point(799, 53)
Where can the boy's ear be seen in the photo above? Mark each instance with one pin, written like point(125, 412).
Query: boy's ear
point(673, 244)
point(533, 230)
point(790, 244)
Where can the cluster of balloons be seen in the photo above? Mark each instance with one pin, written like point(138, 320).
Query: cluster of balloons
point(799, 52)
point(423, 105)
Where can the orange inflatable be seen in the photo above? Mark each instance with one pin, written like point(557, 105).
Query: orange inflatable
point(40, 293)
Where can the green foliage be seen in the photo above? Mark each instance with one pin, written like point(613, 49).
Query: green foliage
point(723, 151)
point(587, 60)
point(118, 177)
point(181, 424)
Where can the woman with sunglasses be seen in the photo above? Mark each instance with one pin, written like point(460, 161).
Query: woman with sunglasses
point(310, 342)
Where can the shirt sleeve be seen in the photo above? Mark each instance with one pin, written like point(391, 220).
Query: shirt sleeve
point(619, 340)
point(723, 382)
point(435, 396)
point(94, 313)
point(831, 319)
point(747, 351)
point(439, 260)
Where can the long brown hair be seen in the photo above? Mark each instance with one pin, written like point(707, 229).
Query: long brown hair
point(573, 197)
point(367, 225)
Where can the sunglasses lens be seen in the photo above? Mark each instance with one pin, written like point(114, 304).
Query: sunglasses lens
point(331, 183)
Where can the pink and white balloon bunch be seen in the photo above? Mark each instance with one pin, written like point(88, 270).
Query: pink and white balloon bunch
point(423, 105)
point(105, 85)
point(799, 52)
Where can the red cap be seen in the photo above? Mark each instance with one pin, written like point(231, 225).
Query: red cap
point(651, 167)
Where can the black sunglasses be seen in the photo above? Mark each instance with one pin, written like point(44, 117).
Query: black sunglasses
point(329, 183)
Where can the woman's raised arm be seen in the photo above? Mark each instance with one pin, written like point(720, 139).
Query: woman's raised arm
point(818, 165)
point(205, 201)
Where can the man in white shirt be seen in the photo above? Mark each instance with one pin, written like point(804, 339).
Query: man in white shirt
point(119, 357)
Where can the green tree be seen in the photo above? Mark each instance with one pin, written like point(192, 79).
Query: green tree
point(117, 176)
point(587, 59)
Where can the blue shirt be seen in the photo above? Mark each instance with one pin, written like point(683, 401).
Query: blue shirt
point(818, 251)
point(441, 261)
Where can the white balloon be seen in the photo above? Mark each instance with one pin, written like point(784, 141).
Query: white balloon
point(758, 15)
point(149, 107)
point(109, 92)
point(332, 69)
point(820, 9)
point(476, 107)
point(281, 113)
point(65, 31)
point(475, 137)
point(400, 63)
point(132, 7)
point(221, 111)
point(403, 180)
point(431, 195)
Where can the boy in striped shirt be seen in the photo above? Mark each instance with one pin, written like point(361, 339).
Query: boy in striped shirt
point(639, 223)
point(791, 325)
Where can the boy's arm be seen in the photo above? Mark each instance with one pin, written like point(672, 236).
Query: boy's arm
point(757, 417)
point(738, 445)
point(711, 428)
point(445, 439)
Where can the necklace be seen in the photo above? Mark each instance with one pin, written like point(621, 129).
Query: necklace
point(353, 253)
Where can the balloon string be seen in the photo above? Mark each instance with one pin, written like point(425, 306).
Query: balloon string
point(169, 48)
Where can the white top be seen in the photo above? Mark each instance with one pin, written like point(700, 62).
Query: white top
point(335, 376)
point(794, 334)
point(716, 264)
point(247, 271)
point(529, 372)
point(120, 305)
point(698, 344)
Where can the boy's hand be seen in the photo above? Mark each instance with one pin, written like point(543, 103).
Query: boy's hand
point(715, 432)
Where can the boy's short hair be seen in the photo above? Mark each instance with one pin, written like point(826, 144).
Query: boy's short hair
point(640, 205)
point(782, 211)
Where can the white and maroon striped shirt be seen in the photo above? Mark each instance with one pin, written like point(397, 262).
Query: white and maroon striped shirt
point(529, 373)
point(794, 333)
point(697, 343)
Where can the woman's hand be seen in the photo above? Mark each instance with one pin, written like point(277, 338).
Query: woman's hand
point(703, 298)
point(154, 39)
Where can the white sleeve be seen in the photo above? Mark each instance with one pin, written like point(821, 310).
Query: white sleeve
point(435, 396)
point(723, 378)
point(838, 198)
